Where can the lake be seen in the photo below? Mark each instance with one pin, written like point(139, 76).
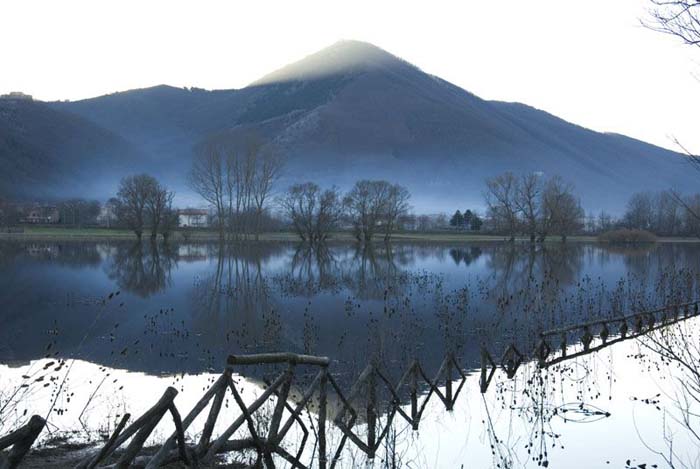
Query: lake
point(149, 316)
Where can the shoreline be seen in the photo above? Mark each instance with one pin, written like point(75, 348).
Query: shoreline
point(107, 234)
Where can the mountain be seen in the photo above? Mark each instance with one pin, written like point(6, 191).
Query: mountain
point(47, 153)
point(353, 110)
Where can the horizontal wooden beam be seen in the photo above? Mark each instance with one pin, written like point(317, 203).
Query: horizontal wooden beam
point(618, 319)
point(270, 358)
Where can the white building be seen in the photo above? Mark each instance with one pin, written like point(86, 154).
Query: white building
point(193, 218)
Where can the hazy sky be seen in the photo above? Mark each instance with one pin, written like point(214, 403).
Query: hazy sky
point(589, 62)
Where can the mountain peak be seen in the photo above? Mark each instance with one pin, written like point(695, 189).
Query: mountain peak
point(342, 57)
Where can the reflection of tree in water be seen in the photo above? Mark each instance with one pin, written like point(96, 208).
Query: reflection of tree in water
point(386, 306)
point(521, 266)
point(356, 301)
point(70, 253)
point(234, 302)
point(312, 269)
point(369, 272)
point(372, 273)
point(534, 288)
point(529, 289)
point(527, 286)
point(142, 268)
point(465, 255)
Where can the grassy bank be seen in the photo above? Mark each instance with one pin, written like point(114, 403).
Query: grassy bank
point(103, 234)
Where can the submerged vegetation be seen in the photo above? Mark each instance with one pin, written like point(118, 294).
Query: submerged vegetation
point(356, 303)
point(626, 236)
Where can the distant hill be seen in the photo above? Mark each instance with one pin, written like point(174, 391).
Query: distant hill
point(355, 111)
point(46, 152)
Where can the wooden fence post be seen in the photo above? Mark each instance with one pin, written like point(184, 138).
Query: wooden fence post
point(322, 404)
point(371, 412)
point(21, 441)
point(414, 395)
point(110, 443)
point(448, 384)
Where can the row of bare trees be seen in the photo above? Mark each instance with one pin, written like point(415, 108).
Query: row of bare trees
point(144, 203)
point(532, 205)
point(665, 213)
point(370, 207)
point(236, 176)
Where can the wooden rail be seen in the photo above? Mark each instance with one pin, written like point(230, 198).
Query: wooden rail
point(270, 358)
point(361, 403)
point(674, 310)
point(626, 327)
point(372, 397)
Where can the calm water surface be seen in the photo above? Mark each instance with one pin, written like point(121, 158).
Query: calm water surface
point(160, 315)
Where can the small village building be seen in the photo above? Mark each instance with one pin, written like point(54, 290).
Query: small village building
point(16, 96)
point(41, 215)
point(193, 218)
point(192, 253)
point(107, 216)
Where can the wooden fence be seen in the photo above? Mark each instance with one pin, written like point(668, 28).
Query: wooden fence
point(608, 331)
point(373, 380)
point(372, 397)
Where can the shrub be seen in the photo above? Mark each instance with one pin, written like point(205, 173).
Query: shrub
point(625, 236)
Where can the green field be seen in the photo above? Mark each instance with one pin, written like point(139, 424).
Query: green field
point(58, 233)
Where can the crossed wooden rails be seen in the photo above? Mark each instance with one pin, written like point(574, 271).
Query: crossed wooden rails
point(371, 382)
point(372, 379)
point(626, 327)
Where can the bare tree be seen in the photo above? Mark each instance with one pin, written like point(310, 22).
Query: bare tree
point(639, 211)
point(242, 153)
point(396, 207)
point(133, 195)
point(679, 18)
point(667, 216)
point(79, 212)
point(268, 166)
point(500, 197)
point(299, 206)
point(366, 205)
point(158, 201)
point(313, 213)
point(169, 220)
point(562, 213)
point(330, 212)
point(691, 219)
point(236, 173)
point(209, 177)
point(423, 222)
point(9, 213)
point(605, 221)
point(527, 201)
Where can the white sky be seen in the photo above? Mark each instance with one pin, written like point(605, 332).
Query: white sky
point(589, 62)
